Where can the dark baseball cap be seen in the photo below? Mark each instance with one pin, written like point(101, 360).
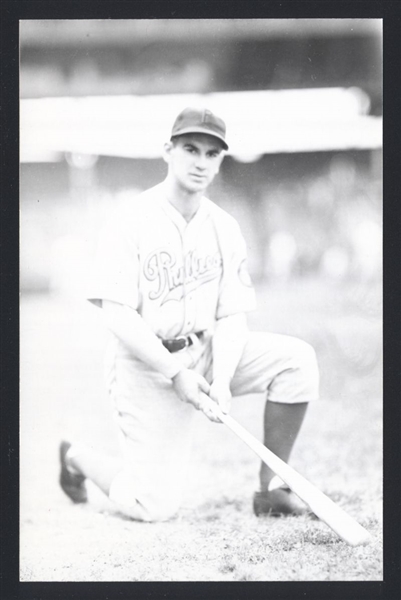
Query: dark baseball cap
point(200, 120)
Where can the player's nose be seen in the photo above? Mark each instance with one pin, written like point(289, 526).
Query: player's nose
point(200, 161)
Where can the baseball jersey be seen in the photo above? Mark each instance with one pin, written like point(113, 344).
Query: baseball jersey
point(180, 276)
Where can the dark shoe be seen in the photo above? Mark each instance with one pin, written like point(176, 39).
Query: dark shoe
point(278, 502)
point(71, 483)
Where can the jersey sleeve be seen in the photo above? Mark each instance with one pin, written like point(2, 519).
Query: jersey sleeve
point(236, 290)
point(115, 270)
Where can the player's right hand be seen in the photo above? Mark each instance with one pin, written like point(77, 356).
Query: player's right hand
point(188, 386)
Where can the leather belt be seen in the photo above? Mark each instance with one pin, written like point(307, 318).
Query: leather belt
point(179, 343)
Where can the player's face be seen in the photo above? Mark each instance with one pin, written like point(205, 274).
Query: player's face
point(194, 160)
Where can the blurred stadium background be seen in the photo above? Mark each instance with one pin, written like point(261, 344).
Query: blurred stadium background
point(303, 103)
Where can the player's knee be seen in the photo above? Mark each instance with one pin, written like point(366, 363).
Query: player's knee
point(142, 512)
point(304, 356)
point(160, 510)
point(305, 372)
point(149, 507)
point(153, 508)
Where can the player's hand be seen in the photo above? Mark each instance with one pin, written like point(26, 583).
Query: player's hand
point(188, 384)
point(221, 394)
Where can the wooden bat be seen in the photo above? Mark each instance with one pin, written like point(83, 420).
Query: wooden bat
point(325, 509)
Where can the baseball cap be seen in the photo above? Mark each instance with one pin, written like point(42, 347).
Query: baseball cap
point(200, 120)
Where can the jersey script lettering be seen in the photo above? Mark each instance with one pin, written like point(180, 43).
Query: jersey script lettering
point(170, 278)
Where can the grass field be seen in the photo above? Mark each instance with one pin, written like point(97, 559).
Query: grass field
point(215, 537)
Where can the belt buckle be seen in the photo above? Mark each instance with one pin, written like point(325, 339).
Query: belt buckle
point(181, 342)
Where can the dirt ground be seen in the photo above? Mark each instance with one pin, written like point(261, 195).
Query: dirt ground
point(215, 537)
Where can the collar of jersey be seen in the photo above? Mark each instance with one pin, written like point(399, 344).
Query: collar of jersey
point(179, 220)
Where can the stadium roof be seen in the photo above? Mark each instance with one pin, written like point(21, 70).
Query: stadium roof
point(262, 122)
point(108, 32)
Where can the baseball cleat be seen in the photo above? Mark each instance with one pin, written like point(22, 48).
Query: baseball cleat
point(72, 483)
point(278, 502)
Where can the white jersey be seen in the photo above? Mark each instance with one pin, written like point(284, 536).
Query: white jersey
point(180, 277)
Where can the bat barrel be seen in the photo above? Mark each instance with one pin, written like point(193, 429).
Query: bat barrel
point(324, 508)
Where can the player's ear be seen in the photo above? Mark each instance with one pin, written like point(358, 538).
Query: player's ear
point(168, 146)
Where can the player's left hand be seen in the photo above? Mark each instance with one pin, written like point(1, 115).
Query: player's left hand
point(221, 394)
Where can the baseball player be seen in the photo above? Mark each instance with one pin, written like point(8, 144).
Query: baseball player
point(171, 282)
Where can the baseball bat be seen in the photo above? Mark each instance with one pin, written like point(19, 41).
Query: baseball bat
point(325, 509)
